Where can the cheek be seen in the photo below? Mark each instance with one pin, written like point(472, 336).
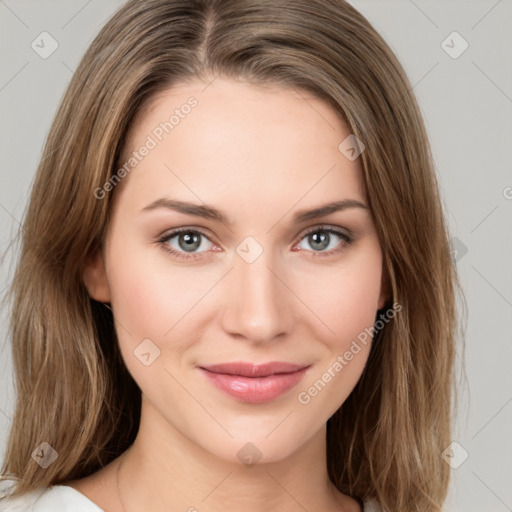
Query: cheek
point(345, 298)
point(154, 300)
point(148, 294)
point(138, 299)
point(150, 309)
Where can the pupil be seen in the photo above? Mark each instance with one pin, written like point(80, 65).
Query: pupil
point(189, 241)
point(319, 240)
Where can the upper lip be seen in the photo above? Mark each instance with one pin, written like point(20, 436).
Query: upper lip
point(244, 369)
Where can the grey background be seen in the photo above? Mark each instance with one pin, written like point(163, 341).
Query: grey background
point(466, 103)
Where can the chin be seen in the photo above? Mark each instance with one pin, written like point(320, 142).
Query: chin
point(261, 444)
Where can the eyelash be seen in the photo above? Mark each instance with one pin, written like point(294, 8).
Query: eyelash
point(347, 239)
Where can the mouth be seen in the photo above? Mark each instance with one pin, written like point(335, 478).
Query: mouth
point(255, 384)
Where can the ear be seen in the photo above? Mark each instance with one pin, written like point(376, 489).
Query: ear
point(95, 278)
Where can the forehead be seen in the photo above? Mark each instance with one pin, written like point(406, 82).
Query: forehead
point(268, 142)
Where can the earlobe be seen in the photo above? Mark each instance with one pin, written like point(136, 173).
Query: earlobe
point(95, 278)
point(383, 299)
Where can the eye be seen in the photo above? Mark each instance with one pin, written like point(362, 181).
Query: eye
point(189, 244)
point(186, 243)
point(324, 240)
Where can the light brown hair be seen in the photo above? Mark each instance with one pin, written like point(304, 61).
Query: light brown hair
point(73, 390)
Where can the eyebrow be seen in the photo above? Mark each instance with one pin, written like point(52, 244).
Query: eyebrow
point(209, 212)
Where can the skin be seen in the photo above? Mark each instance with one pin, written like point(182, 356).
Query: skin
point(259, 155)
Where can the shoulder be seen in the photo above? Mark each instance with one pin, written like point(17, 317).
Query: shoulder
point(57, 498)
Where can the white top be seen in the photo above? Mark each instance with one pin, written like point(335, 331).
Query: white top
point(62, 498)
point(58, 498)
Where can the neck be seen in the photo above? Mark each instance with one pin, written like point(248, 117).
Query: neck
point(164, 470)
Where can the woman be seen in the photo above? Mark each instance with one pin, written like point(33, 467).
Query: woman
point(235, 286)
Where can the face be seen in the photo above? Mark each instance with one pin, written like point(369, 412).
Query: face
point(241, 238)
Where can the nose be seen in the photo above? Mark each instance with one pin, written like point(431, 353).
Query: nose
point(257, 306)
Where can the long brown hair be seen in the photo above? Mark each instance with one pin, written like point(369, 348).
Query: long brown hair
point(73, 390)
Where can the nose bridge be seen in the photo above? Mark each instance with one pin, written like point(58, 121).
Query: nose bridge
point(254, 296)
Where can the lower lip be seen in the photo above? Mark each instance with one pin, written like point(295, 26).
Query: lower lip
point(255, 390)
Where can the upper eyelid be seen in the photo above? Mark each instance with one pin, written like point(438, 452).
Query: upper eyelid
point(171, 233)
point(326, 227)
point(168, 235)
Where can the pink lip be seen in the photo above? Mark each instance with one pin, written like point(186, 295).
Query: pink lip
point(252, 383)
